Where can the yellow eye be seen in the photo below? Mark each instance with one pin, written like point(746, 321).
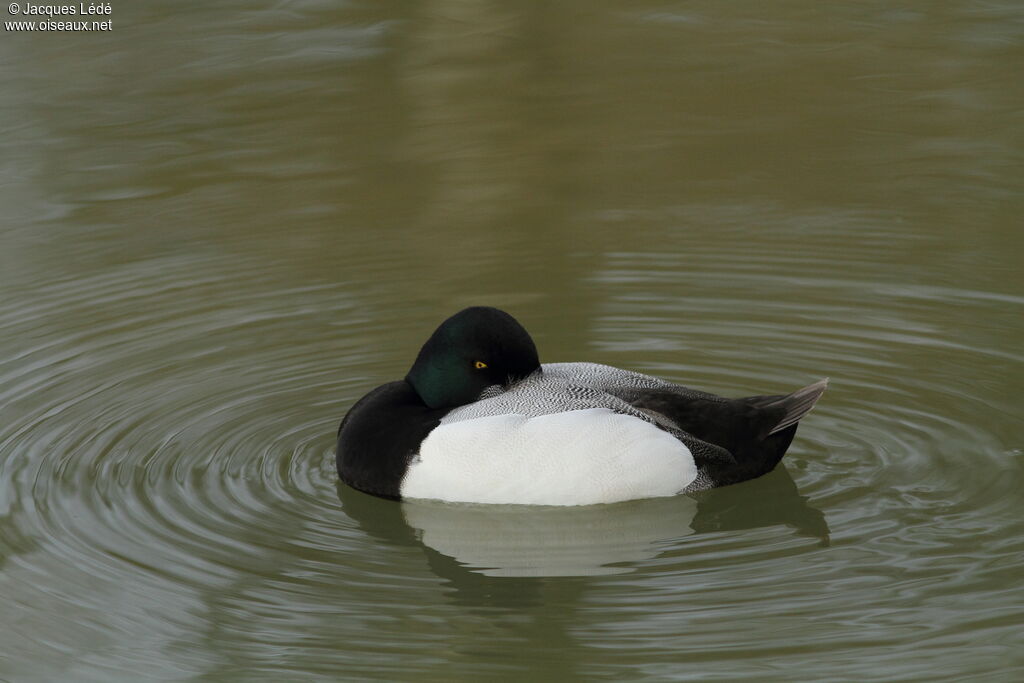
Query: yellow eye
point(479, 365)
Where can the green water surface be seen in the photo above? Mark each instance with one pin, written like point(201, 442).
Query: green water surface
point(222, 223)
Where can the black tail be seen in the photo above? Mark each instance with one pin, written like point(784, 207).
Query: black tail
point(756, 430)
point(792, 407)
point(781, 414)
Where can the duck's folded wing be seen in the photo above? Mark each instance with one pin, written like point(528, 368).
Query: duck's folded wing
point(616, 381)
point(542, 394)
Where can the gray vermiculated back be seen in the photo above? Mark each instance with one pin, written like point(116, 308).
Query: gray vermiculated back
point(558, 388)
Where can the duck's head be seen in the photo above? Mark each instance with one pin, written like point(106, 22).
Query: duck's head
point(474, 349)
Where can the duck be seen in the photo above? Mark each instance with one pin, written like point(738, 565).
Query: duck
point(479, 419)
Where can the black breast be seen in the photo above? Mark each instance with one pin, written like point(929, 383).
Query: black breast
point(379, 437)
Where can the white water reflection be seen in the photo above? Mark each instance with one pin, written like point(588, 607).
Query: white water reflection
point(516, 540)
point(593, 540)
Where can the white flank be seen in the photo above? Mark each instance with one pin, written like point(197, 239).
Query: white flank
point(581, 457)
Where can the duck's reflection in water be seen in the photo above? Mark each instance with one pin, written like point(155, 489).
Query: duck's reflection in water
point(519, 540)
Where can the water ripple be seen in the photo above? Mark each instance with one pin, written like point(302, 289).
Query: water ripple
point(176, 451)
